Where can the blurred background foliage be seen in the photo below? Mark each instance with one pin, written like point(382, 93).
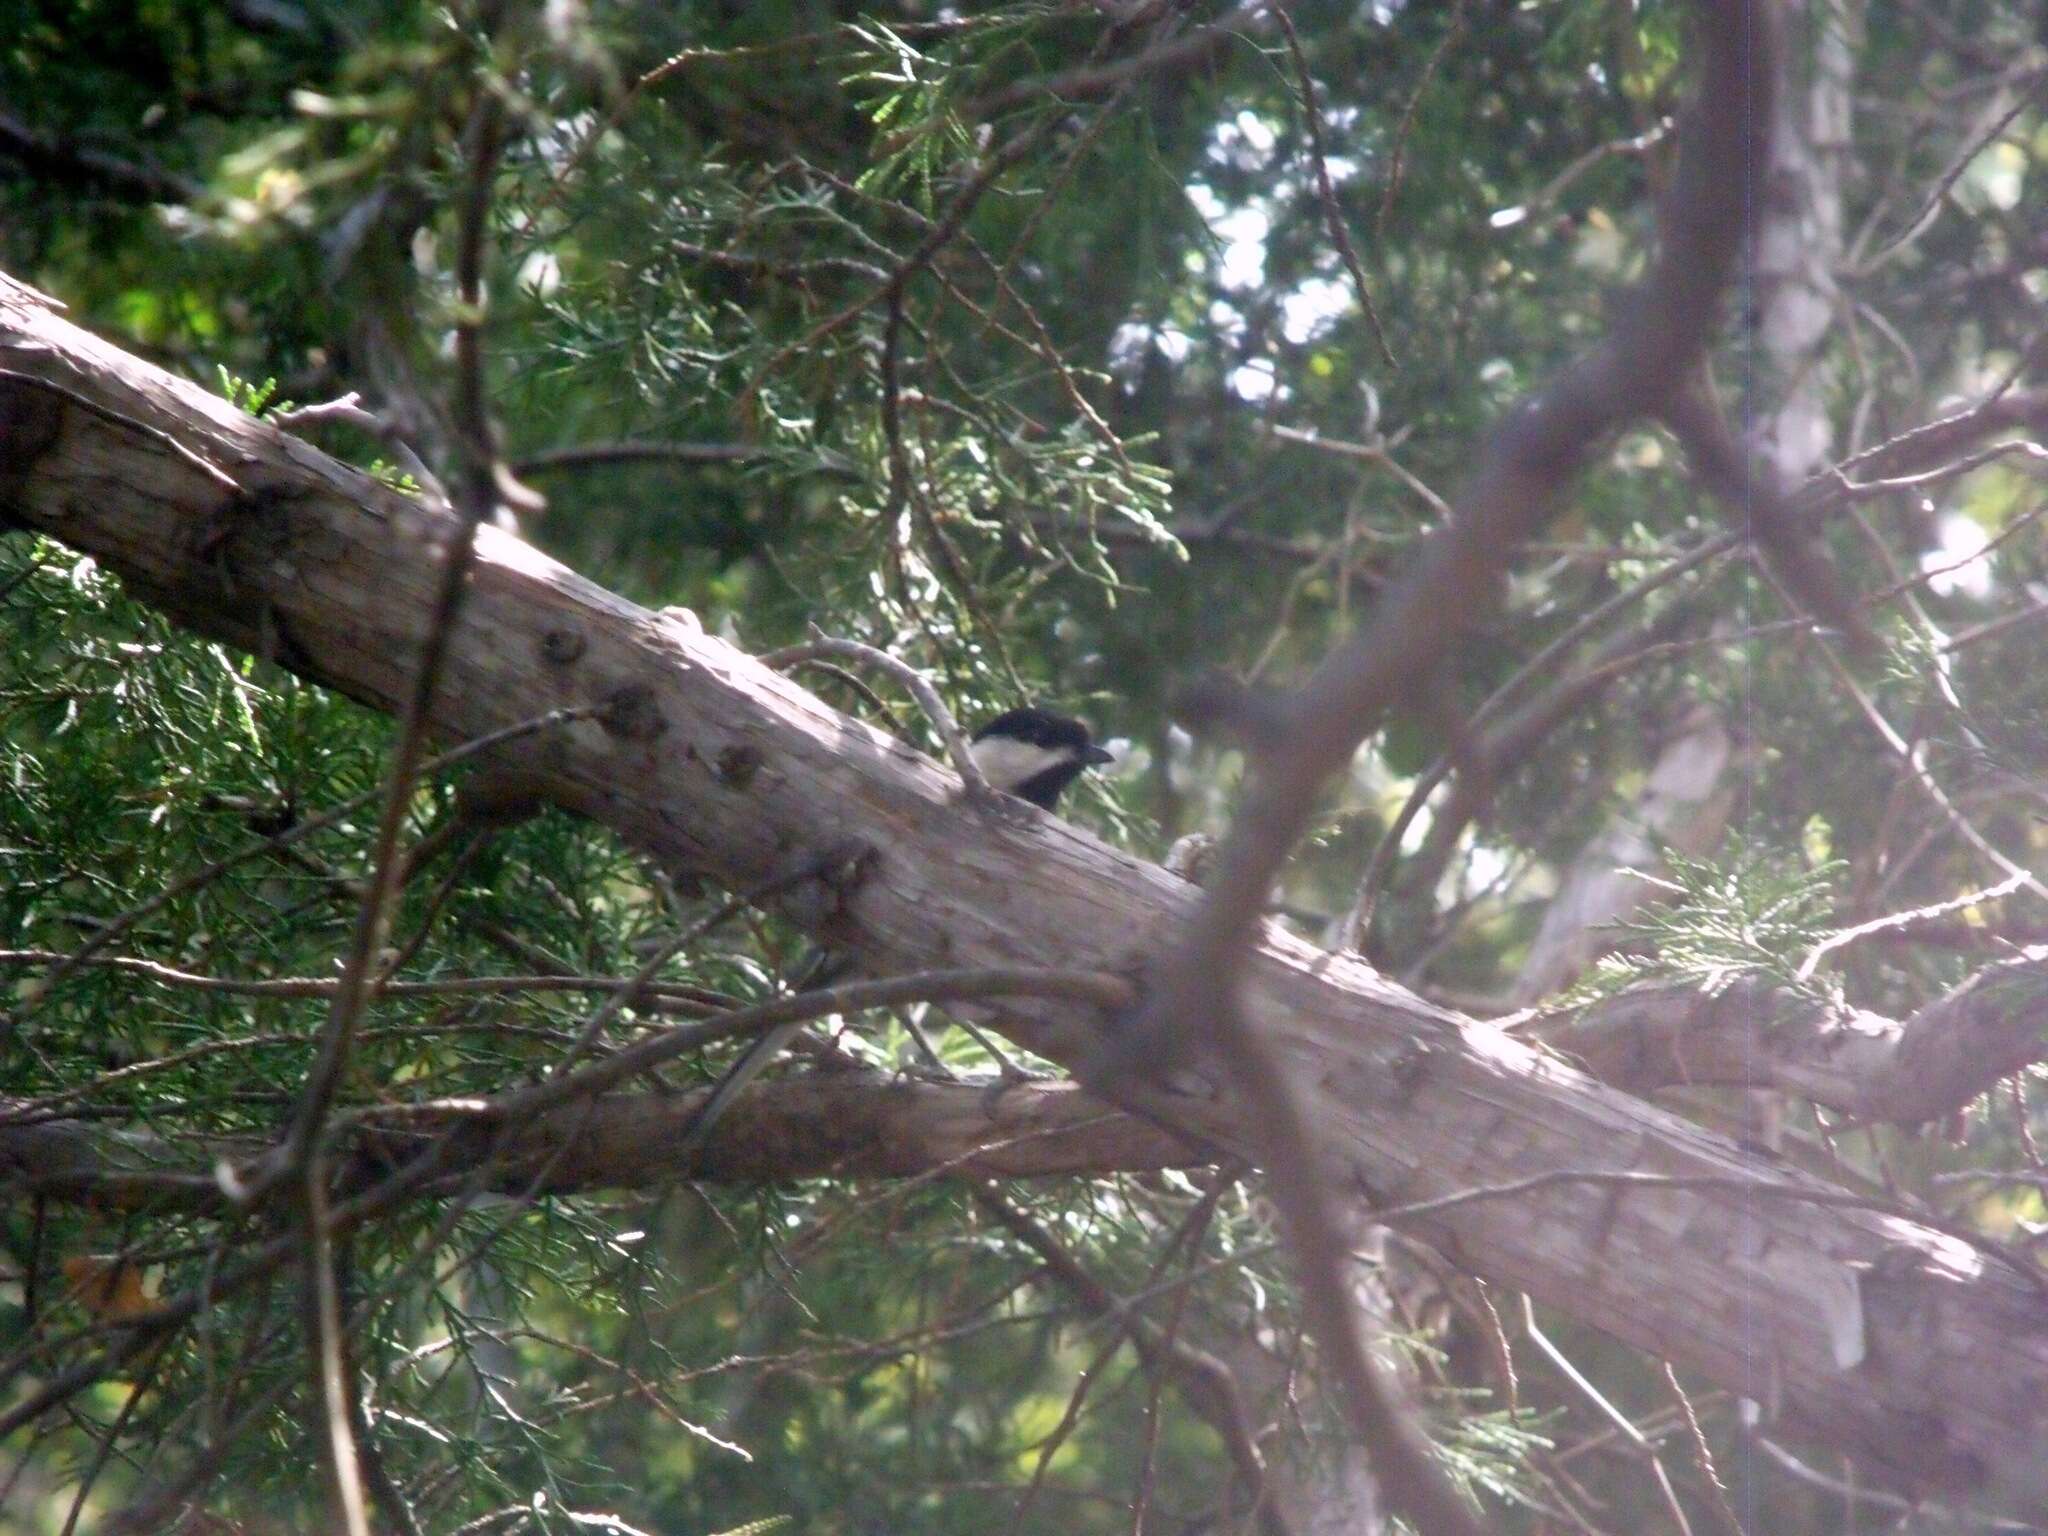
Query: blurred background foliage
point(1124, 421)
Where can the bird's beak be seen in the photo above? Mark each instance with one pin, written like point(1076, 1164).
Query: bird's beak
point(1093, 757)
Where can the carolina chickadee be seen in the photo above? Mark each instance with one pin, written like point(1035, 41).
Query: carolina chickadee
point(1031, 753)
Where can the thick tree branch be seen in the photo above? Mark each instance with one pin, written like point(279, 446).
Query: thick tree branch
point(852, 1125)
point(1867, 1066)
point(1878, 1336)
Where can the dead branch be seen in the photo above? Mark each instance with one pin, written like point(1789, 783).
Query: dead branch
point(1869, 1067)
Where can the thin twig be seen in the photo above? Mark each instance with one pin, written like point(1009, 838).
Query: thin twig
point(322, 1303)
point(1397, 162)
point(1190, 52)
point(1333, 215)
point(1098, 988)
point(1195, 1011)
point(1204, 1382)
point(628, 994)
point(1375, 453)
point(682, 59)
point(1634, 145)
point(934, 707)
point(591, 455)
point(1592, 1394)
point(1921, 775)
point(1923, 217)
point(477, 501)
point(350, 411)
point(936, 239)
point(1359, 919)
point(860, 690)
point(1749, 491)
point(1703, 1457)
point(1845, 936)
point(326, 986)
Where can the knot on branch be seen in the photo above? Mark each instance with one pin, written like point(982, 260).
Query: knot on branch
point(632, 715)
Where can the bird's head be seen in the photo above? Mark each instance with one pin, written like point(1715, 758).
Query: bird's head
point(1034, 754)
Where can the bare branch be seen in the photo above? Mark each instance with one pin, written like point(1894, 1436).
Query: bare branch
point(1754, 501)
point(934, 707)
point(842, 1124)
point(1869, 1067)
point(350, 411)
point(1333, 216)
point(592, 455)
point(1195, 1011)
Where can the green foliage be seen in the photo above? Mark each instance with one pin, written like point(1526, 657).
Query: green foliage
point(256, 399)
point(1721, 924)
point(1487, 1452)
point(760, 1527)
point(909, 106)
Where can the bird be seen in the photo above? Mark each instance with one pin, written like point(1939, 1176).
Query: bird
point(1035, 754)
point(1032, 753)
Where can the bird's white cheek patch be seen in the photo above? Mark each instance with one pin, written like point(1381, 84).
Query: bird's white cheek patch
point(1007, 762)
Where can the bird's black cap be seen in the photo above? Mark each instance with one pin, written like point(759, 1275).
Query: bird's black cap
point(1065, 739)
point(1043, 728)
